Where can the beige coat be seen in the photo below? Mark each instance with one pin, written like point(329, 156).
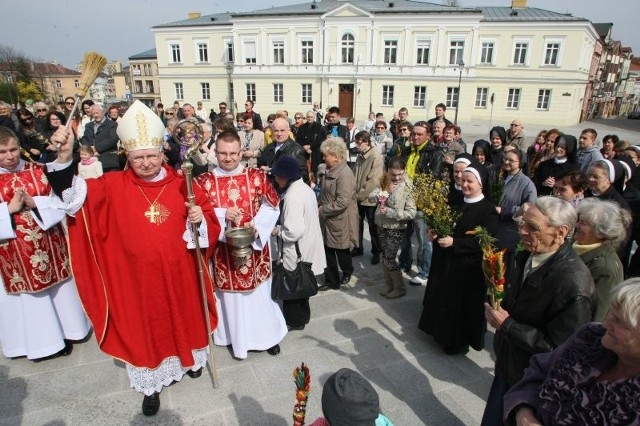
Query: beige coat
point(368, 174)
point(338, 208)
point(256, 145)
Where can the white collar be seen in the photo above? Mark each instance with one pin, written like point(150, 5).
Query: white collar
point(161, 175)
point(474, 199)
point(218, 171)
point(18, 168)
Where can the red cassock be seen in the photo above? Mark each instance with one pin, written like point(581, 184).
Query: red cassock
point(35, 260)
point(246, 190)
point(137, 280)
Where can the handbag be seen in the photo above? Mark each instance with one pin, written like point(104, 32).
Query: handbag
point(297, 284)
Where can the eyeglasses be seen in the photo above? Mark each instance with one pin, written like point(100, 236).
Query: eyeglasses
point(69, 103)
point(515, 125)
point(168, 113)
point(41, 110)
point(298, 118)
point(140, 159)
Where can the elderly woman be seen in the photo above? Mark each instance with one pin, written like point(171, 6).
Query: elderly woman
point(601, 229)
point(549, 295)
point(396, 208)
point(570, 186)
point(453, 303)
point(593, 378)
point(338, 213)
point(299, 226)
point(252, 143)
point(606, 181)
point(368, 171)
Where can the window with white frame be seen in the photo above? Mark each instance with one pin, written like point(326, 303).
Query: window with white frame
point(486, 52)
point(419, 96)
point(422, 52)
point(306, 52)
point(202, 49)
point(251, 91)
point(552, 54)
point(387, 95)
point(390, 52)
point(174, 53)
point(228, 51)
point(520, 49)
point(249, 52)
point(278, 52)
point(179, 90)
point(452, 97)
point(307, 93)
point(481, 97)
point(58, 84)
point(456, 52)
point(278, 93)
point(347, 47)
point(513, 99)
point(544, 97)
point(205, 90)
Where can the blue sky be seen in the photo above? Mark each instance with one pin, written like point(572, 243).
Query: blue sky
point(64, 30)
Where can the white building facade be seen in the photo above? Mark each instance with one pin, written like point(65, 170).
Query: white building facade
point(483, 63)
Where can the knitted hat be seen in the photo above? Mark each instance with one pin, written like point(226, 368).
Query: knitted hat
point(348, 399)
point(287, 168)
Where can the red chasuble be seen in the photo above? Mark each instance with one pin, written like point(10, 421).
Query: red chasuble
point(137, 280)
point(246, 190)
point(35, 260)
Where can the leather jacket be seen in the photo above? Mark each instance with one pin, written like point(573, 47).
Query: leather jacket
point(554, 301)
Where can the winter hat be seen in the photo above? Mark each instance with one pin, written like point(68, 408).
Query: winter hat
point(348, 399)
point(287, 168)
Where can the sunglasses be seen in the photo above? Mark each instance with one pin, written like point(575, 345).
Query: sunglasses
point(298, 118)
point(69, 103)
point(168, 113)
point(42, 110)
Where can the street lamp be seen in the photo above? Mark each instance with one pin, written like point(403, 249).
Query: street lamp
point(461, 67)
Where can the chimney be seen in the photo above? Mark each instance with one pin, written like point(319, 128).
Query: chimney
point(518, 4)
point(194, 15)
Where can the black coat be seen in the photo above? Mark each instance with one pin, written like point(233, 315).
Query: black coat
point(105, 142)
point(549, 168)
point(431, 161)
point(554, 301)
point(312, 134)
point(269, 156)
point(454, 301)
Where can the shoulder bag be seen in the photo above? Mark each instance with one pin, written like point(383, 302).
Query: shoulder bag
point(297, 284)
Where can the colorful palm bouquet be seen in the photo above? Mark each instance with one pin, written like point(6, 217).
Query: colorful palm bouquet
point(302, 379)
point(431, 196)
point(492, 265)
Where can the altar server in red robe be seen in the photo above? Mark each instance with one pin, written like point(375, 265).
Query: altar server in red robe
point(40, 312)
point(249, 318)
point(131, 253)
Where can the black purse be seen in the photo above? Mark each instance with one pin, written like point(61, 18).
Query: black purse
point(297, 284)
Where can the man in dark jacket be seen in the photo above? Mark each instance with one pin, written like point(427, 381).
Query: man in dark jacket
point(100, 133)
point(282, 145)
point(548, 297)
point(335, 128)
point(310, 135)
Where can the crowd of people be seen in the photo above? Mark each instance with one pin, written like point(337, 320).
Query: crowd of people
point(565, 212)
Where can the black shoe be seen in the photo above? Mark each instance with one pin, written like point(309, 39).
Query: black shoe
point(66, 351)
point(274, 350)
point(456, 350)
point(326, 287)
point(194, 374)
point(375, 259)
point(298, 328)
point(151, 404)
point(345, 279)
point(356, 252)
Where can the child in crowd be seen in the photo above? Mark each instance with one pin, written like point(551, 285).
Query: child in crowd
point(89, 166)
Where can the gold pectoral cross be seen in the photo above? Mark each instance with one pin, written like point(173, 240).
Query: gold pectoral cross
point(153, 214)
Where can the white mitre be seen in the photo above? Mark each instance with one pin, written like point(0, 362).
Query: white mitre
point(140, 128)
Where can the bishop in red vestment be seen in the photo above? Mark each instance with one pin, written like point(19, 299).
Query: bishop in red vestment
point(136, 276)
